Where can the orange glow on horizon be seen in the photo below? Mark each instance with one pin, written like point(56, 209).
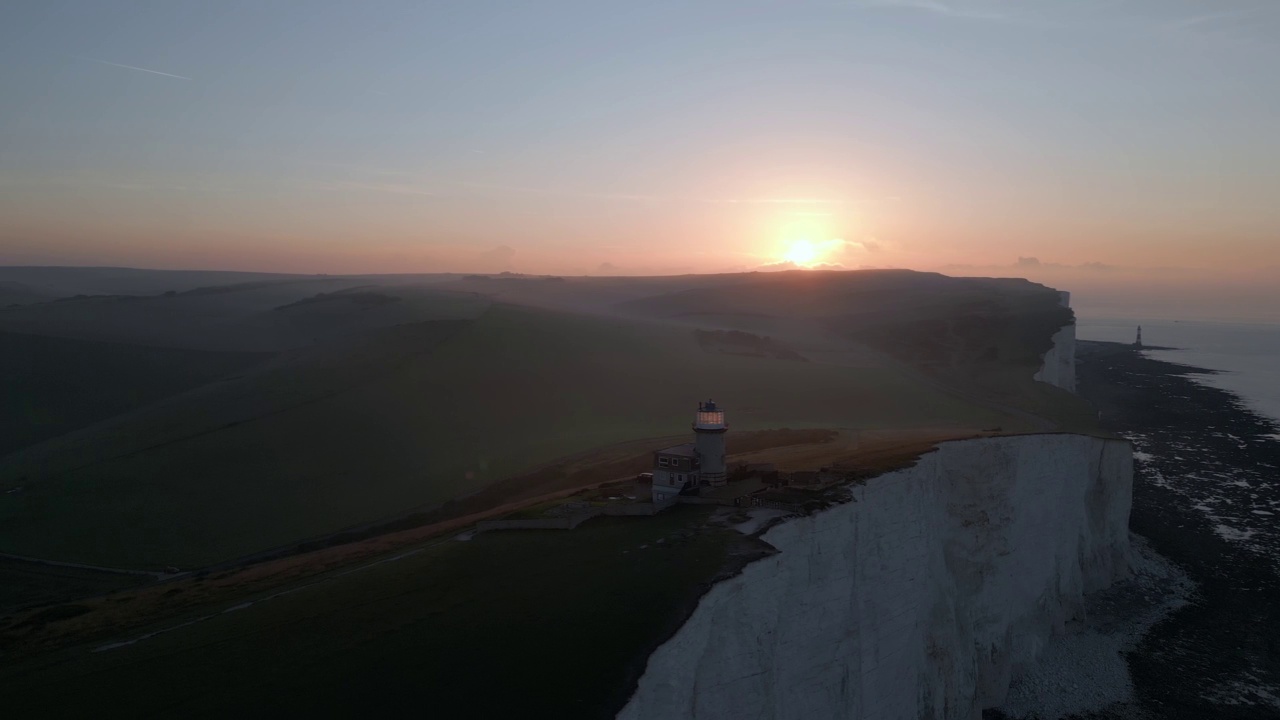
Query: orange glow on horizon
point(802, 252)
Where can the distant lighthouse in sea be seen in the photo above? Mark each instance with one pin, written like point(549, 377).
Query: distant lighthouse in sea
point(1138, 342)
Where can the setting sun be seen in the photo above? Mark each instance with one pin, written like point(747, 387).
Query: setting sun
point(805, 252)
point(801, 252)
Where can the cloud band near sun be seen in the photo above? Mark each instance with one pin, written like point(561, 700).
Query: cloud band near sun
point(808, 253)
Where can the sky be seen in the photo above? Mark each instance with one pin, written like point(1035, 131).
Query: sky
point(603, 137)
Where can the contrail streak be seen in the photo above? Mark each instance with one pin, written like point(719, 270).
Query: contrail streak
point(130, 67)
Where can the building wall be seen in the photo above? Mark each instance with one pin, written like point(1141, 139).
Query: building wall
point(670, 479)
point(711, 452)
point(665, 488)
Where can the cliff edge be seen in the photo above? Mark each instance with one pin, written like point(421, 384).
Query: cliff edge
point(920, 597)
point(1058, 367)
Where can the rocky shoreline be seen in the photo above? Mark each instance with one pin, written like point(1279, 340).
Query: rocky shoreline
point(1206, 497)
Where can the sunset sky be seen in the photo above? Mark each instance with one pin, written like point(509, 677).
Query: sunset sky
point(643, 137)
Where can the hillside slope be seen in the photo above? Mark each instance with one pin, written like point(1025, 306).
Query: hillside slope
point(50, 385)
point(260, 316)
point(333, 437)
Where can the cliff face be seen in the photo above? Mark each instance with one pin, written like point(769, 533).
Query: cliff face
point(1059, 364)
point(918, 599)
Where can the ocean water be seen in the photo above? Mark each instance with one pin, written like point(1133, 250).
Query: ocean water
point(1207, 497)
point(1231, 477)
point(1246, 355)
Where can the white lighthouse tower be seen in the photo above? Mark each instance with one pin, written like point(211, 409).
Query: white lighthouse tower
point(709, 428)
point(682, 469)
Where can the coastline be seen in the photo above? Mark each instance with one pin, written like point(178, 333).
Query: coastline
point(1206, 497)
point(1240, 356)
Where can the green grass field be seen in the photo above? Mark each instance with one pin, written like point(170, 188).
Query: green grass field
point(426, 415)
point(25, 584)
point(50, 385)
point(554, 623)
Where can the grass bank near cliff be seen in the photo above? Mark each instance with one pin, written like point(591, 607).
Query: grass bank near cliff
point(549, 623)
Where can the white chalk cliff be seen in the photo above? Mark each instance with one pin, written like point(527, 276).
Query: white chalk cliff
point(1058, 367)
point(919, 598)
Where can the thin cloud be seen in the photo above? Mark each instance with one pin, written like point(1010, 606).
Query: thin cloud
point(390, 188)
point(1197, 21)
point(774, 201)
point(416, 180)
point(1219, 18)
point(1242, 27)
point(934, 7)
point(554, 191)
point(131, 67)
point(783, 265)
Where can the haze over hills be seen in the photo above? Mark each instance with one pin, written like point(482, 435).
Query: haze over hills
point(61, 282)
point(560, 359)
point(368, 398)
point(310, 446)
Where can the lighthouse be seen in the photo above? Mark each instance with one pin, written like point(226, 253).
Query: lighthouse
point(682, 469)
point(709, 428)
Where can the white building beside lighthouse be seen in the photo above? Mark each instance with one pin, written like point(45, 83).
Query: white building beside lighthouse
point(701, 462)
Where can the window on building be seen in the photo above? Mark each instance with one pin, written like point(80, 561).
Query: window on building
point(662, 462)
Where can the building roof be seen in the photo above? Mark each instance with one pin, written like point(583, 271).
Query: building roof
point(685, 450)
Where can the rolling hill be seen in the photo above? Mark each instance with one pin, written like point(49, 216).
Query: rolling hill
point(406, 397)
point(334, 437)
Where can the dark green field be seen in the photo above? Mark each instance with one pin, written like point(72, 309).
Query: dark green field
point(50, 386)
point(555, 623)
point(27, 584)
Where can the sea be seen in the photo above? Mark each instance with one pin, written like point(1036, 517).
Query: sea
point(1206, 437)
point(1244, 356)
point(1216, 468)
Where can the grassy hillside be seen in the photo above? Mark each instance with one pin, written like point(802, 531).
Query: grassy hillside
point(454, 630)
point(982, 337)
point(400, 410)
point(260, 316)
point(54, 281)
point(16, 293)
point(29, 584)
point(425, 413)
point(50, 386)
